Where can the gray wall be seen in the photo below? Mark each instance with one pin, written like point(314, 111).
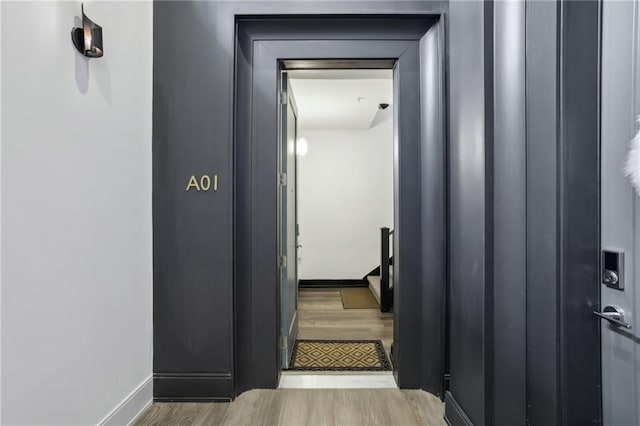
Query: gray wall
point(509, 174)
point(192, 134)
point(467, 207)
point(487, 193)
point(523, 212)
point(620, 209)
point(542, 212)
point(193, 232)
point(579, 212)
point(433, 203)
point(509, 214)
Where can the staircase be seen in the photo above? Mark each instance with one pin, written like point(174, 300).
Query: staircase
point(374, 283)
point(381, 279)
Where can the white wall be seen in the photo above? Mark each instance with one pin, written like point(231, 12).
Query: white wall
point(76, 214)
point(0, 214)
point(345, 194)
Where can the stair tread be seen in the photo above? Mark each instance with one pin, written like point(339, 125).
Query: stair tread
point(374, 285)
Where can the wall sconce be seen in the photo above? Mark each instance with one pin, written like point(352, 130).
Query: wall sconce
point(302, 146)
point(88, 39)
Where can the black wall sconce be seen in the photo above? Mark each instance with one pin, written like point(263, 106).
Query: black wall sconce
point(88, 39)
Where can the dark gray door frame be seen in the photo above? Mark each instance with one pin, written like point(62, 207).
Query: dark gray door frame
point(417, 45)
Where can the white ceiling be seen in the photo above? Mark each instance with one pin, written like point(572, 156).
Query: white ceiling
point(341, 99)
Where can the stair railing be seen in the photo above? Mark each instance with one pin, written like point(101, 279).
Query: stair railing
point(386, 291)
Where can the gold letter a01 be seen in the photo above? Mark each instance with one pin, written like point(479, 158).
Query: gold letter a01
point(193, 183)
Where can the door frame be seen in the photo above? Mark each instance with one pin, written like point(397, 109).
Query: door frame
point(417, 45)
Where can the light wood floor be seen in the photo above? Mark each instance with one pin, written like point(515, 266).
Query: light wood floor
point(321, 316)
point(298, 407)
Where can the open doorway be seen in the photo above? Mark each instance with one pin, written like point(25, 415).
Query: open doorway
point(414, 48)
point(336, 216)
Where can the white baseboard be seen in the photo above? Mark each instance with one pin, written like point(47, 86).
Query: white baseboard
point(132, 406)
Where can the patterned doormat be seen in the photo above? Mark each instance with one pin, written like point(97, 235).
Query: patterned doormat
point(339, 355)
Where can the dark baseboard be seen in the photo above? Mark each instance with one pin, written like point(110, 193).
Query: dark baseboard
point(332, 283)
point(196, 387)
point(454, 415)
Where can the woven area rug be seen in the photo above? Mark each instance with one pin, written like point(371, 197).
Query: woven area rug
point(339, 355)
point(358, 298)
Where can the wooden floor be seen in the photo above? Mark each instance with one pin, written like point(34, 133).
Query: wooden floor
point(300, 407)
point(321, 316)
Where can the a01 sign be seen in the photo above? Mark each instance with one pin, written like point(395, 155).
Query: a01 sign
point(204, 183)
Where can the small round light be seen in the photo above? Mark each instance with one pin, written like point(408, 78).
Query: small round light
point(302, 146)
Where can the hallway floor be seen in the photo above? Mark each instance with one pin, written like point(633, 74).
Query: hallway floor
point(300, 407)
point(321, 316)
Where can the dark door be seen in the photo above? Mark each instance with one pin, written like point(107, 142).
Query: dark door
point(620, 216)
